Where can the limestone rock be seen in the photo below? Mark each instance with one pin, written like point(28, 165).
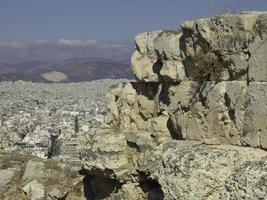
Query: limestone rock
point(130, 106)
point(219, 97)
point(145, 68)
point(33, 170)
point(157, 57)
point(104, 152)
point(248, 181)
point(183, 170)
point(168, 136)
point(6, 176)
point(144, 42)
point(129, 191)
point(224, 43)
point(255, 127)
point(143, 141)
point(210, 112)
point(221, 48)
point(258, 61)
point(186, 170)
point(58, 193)
point(34, 190)
point(29, 177)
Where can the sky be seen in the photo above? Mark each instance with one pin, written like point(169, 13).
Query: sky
point(106, 21)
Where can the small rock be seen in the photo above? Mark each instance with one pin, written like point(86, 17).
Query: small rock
point(6, 176)
point(34, 190)
point(58, 193)
point(33, 170)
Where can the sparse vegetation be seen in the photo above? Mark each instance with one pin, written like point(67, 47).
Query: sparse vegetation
point(209, 65)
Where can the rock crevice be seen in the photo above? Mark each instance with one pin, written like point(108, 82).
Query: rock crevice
point(201, 89)
point(185, 129)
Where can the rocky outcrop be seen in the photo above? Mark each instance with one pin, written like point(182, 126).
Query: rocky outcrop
point(134, 165)
point(192, 171)
point(183, 130)
point(226, 47)
point(28, 177)
point(205, 82)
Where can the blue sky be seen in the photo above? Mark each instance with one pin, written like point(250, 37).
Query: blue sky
point(27, 21)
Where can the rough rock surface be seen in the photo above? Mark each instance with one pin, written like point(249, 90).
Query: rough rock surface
point(221, 97)
point(226, 112)
point(187, 171)
point(28, 177)
point(224, 47)
point(133, 165)
point(168, 136)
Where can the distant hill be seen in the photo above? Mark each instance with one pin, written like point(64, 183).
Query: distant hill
point(71, 70)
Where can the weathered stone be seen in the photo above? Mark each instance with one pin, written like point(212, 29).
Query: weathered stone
point(58, 181)
point(210, 112)
point(219, 55)
point(58, 193)
point(224, 47)
point(130, 191)
point(224, 42)
point(34, 190)
point(106, 156)
point(248, 181)
point(255, 127)
point(258, 48)
point(157, 57)
point(186, 170)
point(203, 83)
point(172, 71)
point(6, 176)
point(131, 106)
point(145, 68)
point(33, 170)
point(142, 140)
point(144, 41)
point(160, 125)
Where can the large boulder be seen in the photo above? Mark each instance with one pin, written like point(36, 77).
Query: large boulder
point(210, 112)
point(29, 177)
point(168, 136)
point(224, 47)
point(33, 170)
point(172, 169)
point(34, 190)
point(204, 82)
point(187, 170)
point(157, 57)
point(104, 152)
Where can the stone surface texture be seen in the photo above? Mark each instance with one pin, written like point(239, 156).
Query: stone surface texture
point(27, 177)
point(218, 95)
point(193, 126)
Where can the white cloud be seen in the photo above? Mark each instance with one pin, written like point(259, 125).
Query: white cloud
point(11, 45)
point(76, 42)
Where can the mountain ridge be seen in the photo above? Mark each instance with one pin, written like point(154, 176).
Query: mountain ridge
point(86, 69)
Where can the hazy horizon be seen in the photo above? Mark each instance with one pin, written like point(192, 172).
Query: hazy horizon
point(49, 30)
